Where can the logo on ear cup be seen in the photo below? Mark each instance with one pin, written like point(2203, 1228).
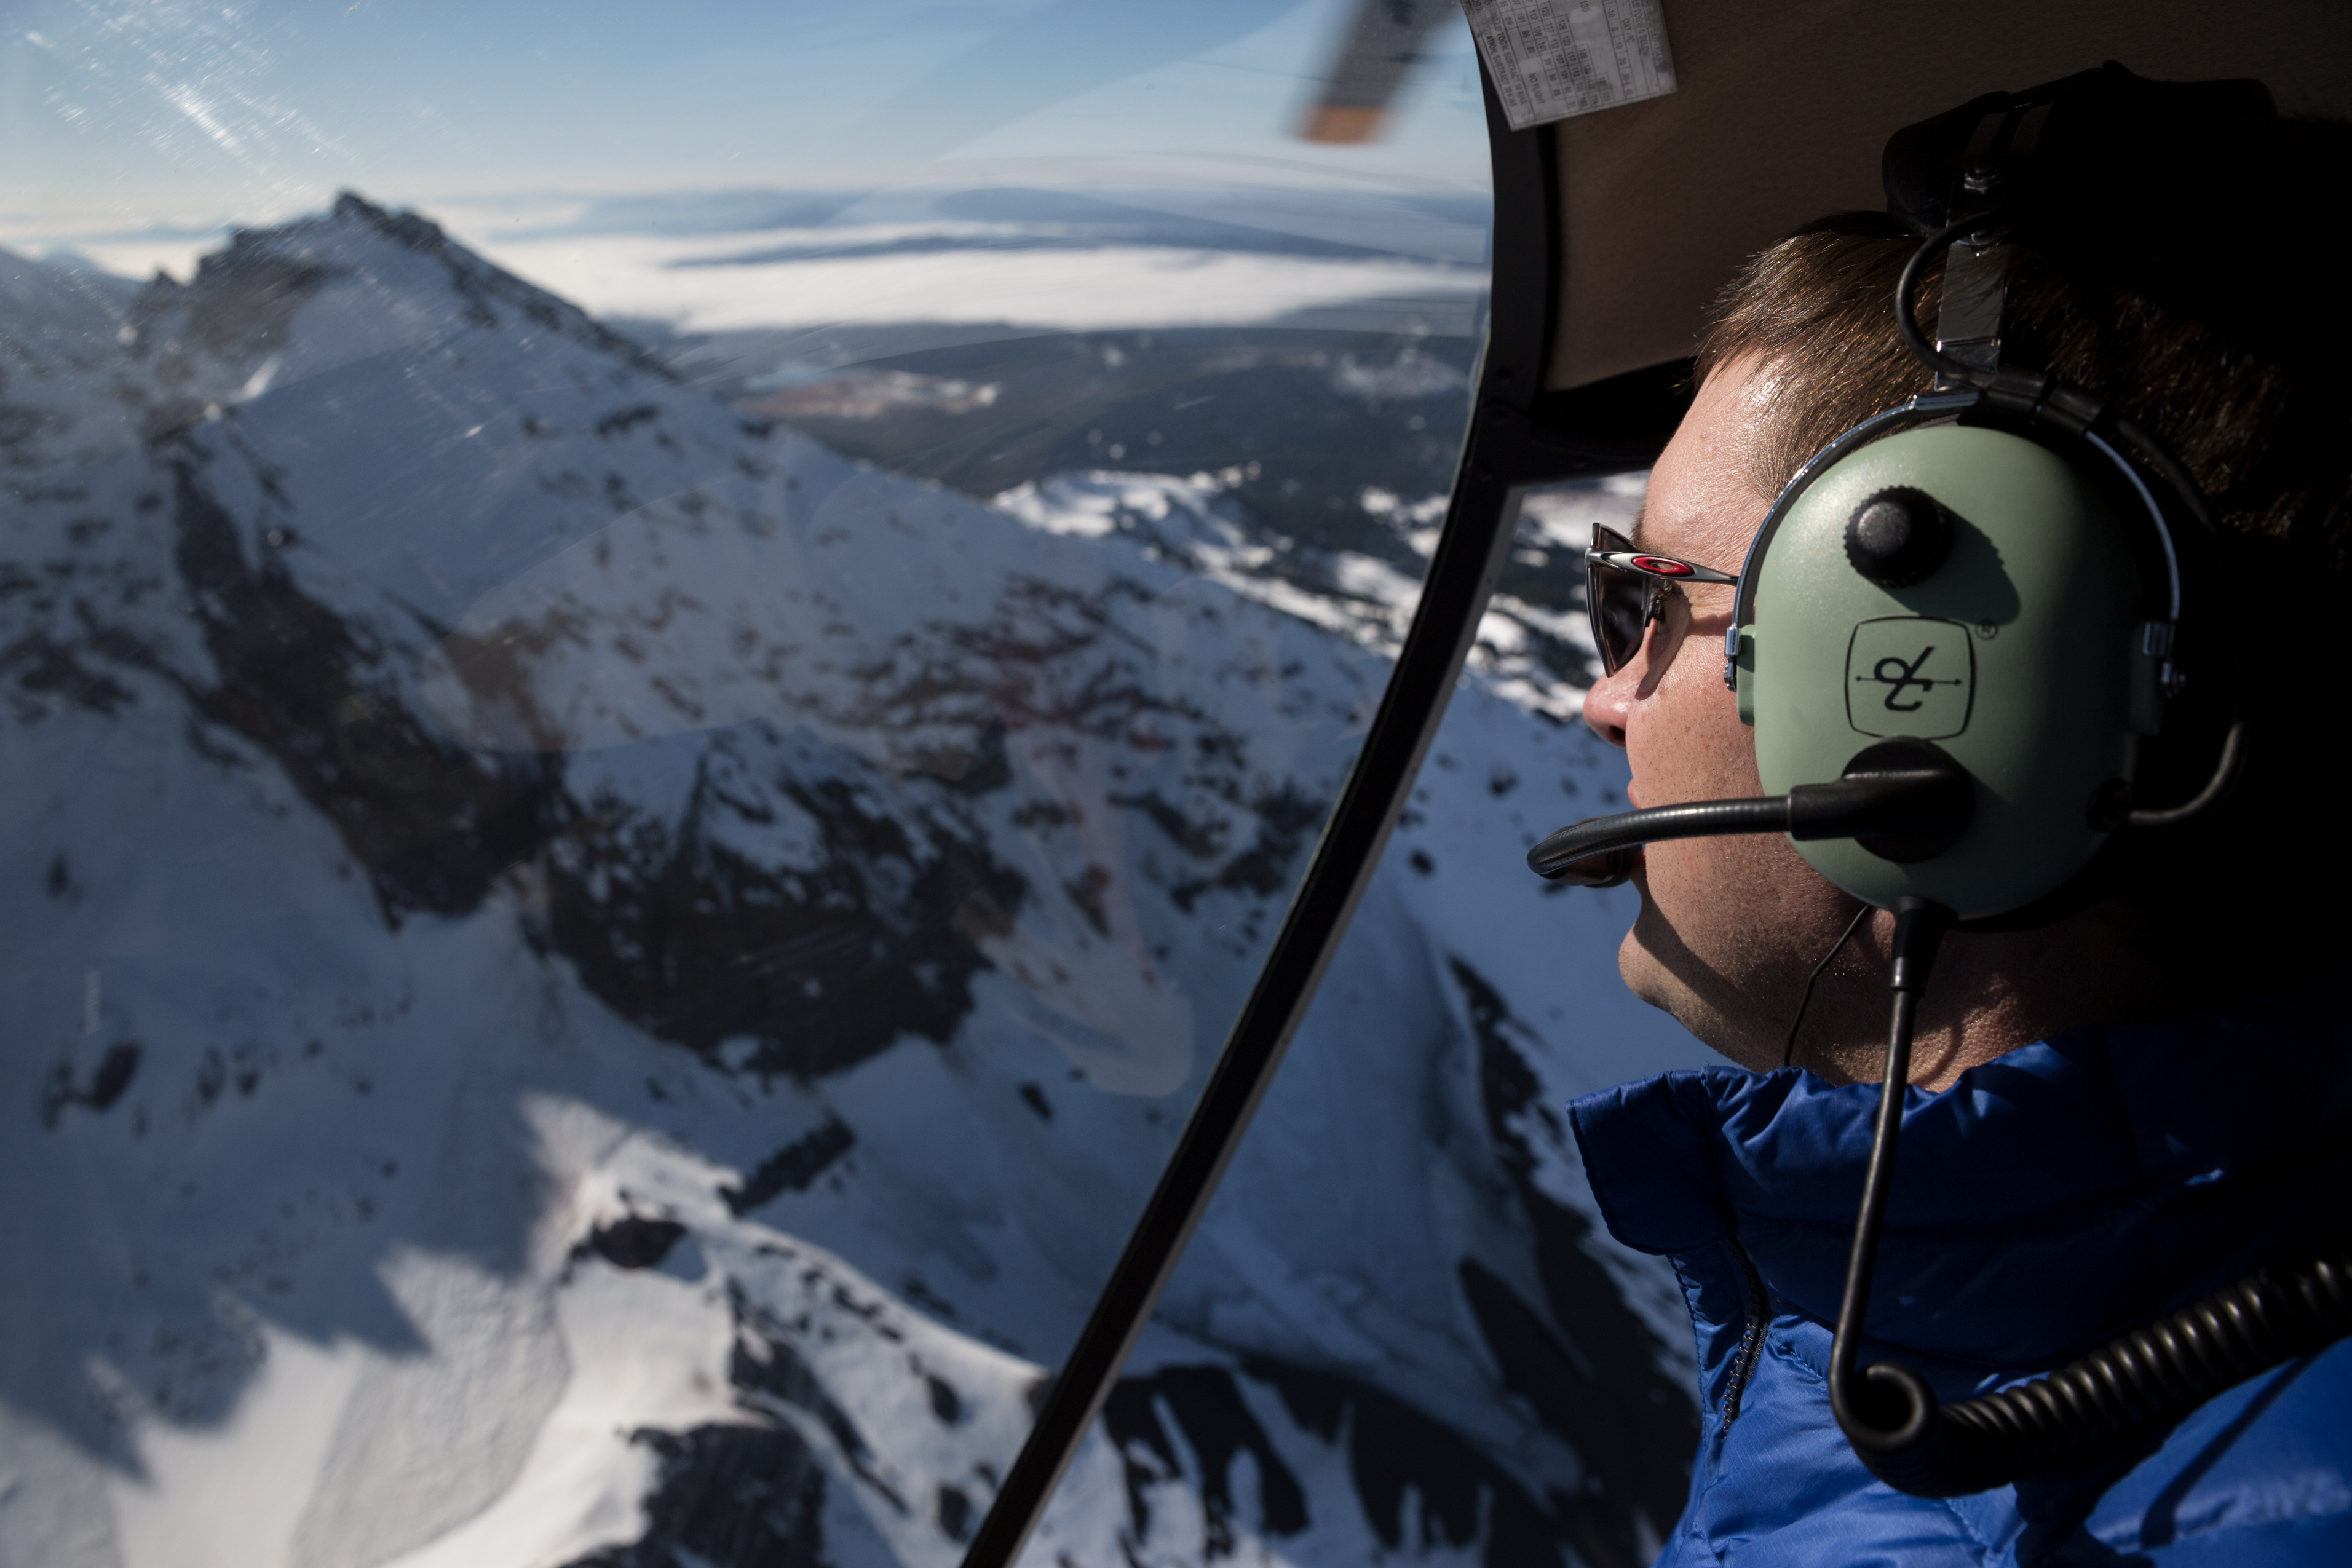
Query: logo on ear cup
point(1910, 675)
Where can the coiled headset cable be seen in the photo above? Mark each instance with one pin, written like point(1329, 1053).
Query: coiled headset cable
point(2144, 1381)
point(2128, 1388)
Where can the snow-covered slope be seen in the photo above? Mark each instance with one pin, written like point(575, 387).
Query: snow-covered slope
point(590, 981)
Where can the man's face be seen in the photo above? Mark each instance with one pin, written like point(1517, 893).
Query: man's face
point(1729, 926)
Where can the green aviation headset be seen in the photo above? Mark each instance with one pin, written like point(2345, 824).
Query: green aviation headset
point(1958, 638)
point(1958, 625)
point(1951, 591)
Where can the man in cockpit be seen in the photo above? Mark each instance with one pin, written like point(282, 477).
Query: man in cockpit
point(2134, 1102)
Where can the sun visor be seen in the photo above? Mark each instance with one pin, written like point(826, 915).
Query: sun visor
point(1780, 114)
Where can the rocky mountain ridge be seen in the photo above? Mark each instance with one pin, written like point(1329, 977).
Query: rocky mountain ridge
point(603, 984)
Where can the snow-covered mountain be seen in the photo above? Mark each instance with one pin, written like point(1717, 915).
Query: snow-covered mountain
point(591, 981)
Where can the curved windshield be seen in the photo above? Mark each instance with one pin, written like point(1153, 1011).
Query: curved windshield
point(1402, 1331)
point(666, 670)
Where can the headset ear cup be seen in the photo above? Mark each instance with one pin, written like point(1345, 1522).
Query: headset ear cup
point(2163, 588)
point(2114, 869)
point(2184, 870)
point(2182, 731)
point(2010, 640)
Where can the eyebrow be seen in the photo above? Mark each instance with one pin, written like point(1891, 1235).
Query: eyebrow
point(1640, 519)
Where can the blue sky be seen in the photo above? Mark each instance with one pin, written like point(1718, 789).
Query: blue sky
point(120, 114)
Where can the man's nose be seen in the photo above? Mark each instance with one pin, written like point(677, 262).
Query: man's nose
point(1610, 702)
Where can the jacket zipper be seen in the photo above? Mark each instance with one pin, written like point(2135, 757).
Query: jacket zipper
point(1751, 1342)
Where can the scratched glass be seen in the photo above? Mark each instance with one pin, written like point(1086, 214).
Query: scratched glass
point(666, 670)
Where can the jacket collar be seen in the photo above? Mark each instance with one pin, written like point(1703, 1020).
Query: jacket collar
point(2042, 1199)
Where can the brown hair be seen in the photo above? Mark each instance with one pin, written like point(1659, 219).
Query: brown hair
point(2218, 325)
point(2218, 329)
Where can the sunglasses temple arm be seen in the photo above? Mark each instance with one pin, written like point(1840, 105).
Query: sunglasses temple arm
point(1622, 561)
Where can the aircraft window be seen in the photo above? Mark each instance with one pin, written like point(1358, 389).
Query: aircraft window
point(1401, 1332)
point(666, 671)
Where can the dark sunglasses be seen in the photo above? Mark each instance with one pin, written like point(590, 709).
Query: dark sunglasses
point(1625, 589)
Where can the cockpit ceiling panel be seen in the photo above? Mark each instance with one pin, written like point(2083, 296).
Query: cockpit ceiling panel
point(1782, 111)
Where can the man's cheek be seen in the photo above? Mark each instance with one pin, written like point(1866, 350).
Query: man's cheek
point(1678, 761)
point(1675, 874)
point(1715, 897)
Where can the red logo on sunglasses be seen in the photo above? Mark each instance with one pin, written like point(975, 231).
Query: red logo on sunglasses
point(1661, 565)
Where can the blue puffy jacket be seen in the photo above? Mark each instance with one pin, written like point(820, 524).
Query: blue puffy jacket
point(2045, 1202)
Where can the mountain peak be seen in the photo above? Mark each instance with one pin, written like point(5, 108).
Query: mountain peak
point(292, 259)
point(411, 229)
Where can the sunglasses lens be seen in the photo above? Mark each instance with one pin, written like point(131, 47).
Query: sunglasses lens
point(1618, 601)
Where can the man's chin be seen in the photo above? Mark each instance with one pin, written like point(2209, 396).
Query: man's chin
point(1637, 958)
point(1647, 974)
point(1642, 973)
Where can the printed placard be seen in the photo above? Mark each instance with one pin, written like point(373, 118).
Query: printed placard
point(1553, 59)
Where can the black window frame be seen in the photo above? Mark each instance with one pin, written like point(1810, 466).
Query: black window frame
point(1520, 435)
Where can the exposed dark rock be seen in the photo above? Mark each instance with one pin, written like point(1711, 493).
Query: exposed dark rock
point(636, 1241)
point(1584, 1361)
point(1086, 891)
point(1303, 420)
point(792, 1167)
point(668, 926)
point(954, 1513)
point(212, 1075)
point(1217, 1426)
point(115, 1071)
point(42, 667)
point(766, 1371)
point(1285, 820)
point(676, 929)
point(1391, 1449)
point(729, 1497)
point(107, 1082)
point(1394, 1448)
point(619, 422)
point(486, 285)
point(238, 309)
point(1201, 840)
point(433, 823)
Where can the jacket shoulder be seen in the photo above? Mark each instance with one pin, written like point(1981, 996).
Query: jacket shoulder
point(2259, 1475)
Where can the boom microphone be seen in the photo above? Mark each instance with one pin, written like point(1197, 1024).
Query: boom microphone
point(1902, 799)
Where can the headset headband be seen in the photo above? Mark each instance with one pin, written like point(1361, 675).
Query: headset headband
point(2085, 149)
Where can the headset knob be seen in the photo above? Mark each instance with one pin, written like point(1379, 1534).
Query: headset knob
point(1898, 537)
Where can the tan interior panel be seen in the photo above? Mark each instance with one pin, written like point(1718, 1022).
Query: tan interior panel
point(1783, 109)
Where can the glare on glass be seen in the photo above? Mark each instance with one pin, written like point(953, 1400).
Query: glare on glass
point(664, 672)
